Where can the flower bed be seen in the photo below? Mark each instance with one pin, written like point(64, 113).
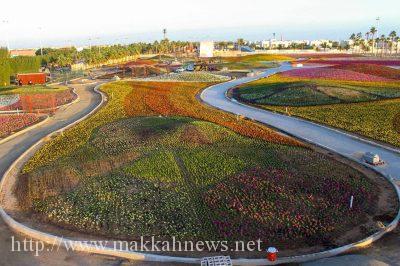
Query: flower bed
point(347, 61)
point(333, 74)
point(10, 123)
point(187, 180)
point(126, 171)
point(277, 204)
point(35, 101)
point(370, 69)
point(189, 76)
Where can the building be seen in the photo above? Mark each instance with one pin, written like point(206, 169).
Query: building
point(206, 49)
point(22, 52)
point(31, 78)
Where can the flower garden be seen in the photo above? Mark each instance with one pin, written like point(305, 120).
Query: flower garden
point(10, 123)
point(32, 99)
point(31, 104)
point(357, 97)
point(258, 61)
point(156, 162)
point(189, 76)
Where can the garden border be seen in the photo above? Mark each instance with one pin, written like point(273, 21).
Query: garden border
point(79, 246)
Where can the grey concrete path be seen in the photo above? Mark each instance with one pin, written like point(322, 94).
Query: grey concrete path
point(11, 150)
point(332, 139)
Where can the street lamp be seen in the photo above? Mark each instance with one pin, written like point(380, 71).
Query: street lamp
point(378, 19)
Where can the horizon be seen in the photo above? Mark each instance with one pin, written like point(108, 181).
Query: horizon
point(230, 21)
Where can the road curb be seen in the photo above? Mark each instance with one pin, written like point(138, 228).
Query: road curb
point(85, 247)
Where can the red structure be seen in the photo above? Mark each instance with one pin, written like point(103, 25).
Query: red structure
point(31, 78)
point(272, 254)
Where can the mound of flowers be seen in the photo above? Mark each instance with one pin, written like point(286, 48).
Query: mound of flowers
point(333, 74)
point(11, 123)
point(275, 204)
point(35, 101)
point(371, 69)
point(189, 76)
point(347, 61)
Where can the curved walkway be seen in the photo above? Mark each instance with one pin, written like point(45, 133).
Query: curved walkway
point(340, 142)
point(12, 149)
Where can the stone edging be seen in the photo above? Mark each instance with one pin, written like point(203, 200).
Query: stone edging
point(85, 247)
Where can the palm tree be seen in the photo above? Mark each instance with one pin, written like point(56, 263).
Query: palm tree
point(353, 39)
point(383, 43)
point(373, 31)
point(392, 37)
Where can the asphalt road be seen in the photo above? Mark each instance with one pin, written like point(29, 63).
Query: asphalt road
point(331, 139)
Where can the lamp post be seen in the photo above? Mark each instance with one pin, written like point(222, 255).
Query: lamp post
point(377, 33)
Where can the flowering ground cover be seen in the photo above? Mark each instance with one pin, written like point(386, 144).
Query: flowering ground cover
point(370, 69)
point(350, 61)
point(364, 102)
point(396, 123)
point(257, 61)
point(189, 76)
point(155, 161)
point(11, 123)
point(31, 99)
point(184, 178)
point(333, 73)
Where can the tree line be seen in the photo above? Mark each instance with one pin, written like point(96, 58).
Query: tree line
point(370, 42)
point(9, 67)
point(100, 54)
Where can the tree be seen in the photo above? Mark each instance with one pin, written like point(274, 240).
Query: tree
point(373, 31)
point(392, 37)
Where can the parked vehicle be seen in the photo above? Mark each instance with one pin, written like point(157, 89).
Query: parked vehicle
point(372, 159)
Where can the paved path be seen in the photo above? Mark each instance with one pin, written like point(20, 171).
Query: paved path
point(11, 150)
point(340, 142)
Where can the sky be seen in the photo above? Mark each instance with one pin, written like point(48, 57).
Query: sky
point(32, 23)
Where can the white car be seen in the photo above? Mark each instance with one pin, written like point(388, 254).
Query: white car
point(180, 70)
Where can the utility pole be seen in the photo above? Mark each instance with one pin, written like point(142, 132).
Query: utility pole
point(377, 33)
point(165, 33)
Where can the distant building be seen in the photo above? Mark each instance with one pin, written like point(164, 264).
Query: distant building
point(206, 49)
point(22, 52)
point(31, 78)
point(320, 43)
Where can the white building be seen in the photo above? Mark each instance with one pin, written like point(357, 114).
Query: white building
point(319, 43)
point(206, 49)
